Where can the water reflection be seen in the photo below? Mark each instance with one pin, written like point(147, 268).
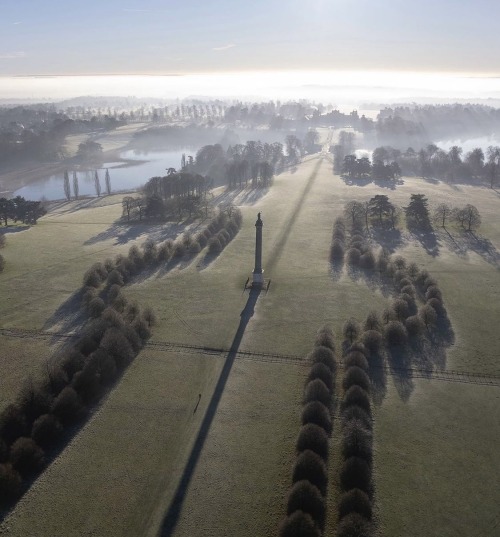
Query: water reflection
point(132, 172)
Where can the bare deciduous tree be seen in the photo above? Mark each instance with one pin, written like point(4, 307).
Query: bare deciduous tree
point(442, 212)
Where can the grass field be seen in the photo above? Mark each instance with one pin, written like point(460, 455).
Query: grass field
point(435, 463)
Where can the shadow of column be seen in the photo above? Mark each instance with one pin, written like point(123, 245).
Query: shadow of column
point(174, 511)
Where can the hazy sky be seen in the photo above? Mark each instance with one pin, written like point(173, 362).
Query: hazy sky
point(182, 36)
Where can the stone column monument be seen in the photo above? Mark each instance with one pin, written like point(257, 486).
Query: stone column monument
point(258, 271)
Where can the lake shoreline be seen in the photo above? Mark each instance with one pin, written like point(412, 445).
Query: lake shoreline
point(30, 172)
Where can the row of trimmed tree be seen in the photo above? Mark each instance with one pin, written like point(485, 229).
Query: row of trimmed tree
point(337, 246)
point(220, 230)
point(355, 503)
point(306, 502)
point(403, 319)
point(43, 419)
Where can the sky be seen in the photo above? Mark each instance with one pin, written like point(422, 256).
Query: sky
point(117, 37)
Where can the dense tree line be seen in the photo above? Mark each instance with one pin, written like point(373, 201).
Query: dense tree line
point(306, 503)
point(32, 429)
point(39, 132)
point(186, 192)
point(19, 209)
point(436, 122)
point(254, 161)
point(176, 136)
point(389, 164)
point(172, 196)
point(451, 166)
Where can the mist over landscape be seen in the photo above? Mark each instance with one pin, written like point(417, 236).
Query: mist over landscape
point(249, 269)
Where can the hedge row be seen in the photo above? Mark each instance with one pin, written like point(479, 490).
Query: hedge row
point(218, 233)
point(35, 424)
point(355, 505)
point(306, 506)
point(403, 320)
point(337, 248)
point(360, 253)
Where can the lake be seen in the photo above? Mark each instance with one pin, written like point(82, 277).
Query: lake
point(123, 177)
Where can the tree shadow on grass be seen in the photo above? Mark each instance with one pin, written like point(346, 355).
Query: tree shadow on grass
point(389, 238)
point(481, 246)
point(337, 268)
point(389, 184)
point(124, 232)
point(356, 181)
point(399, 359)
point(426, 237)
point(9, 230)
point(253, 196)
point(378, 375)
point(68, 316)
point(456, 245)
point(174, 512)
point(372, 278)
point(368, 180)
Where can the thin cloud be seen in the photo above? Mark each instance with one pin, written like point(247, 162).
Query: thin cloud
point(224, 47)
point(136, 10)
point(17, 22)
point(12, 55)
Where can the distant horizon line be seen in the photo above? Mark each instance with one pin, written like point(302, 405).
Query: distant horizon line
point(462, 74)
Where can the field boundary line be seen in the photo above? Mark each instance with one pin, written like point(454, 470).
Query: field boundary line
point(450, 375)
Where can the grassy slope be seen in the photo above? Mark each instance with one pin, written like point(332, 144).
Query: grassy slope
point(202, 306)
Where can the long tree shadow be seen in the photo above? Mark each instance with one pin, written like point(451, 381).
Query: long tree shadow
point(483, 247)
point(426, 237)
point(172, 516)
point(391, 184)
point(400, 364)
point(378, 375)
point(124, 232)
point(69, 315)
point(452, 243)
point(337, 268)
point(356, 181)
point(389, 238)
point(467, 241)
point(13, 229)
